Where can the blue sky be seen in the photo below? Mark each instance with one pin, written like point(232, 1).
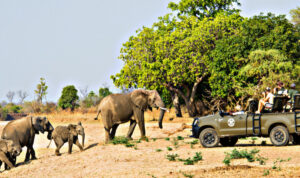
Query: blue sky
point(76, 42)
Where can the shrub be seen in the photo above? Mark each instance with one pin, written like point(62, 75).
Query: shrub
point(236, 154)
point(180, 138)
point(158, 150)
point(172, 157)
point(169, 148)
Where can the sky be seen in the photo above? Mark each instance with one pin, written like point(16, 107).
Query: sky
point(77, 42)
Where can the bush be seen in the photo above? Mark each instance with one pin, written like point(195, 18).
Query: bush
point(236, 154)
point(68, 98)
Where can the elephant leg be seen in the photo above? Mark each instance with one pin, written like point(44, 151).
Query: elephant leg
point(78, 144)
point(32, 152)
point(70, 144)
point(113, 131)
point(107, 135)
point(59, 143)
point(27, 154)
point(139, 115)
point(131, 129)
point(4, 158)
point(12, 159)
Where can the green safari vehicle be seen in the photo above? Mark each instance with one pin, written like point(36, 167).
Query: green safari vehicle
point(226, 128)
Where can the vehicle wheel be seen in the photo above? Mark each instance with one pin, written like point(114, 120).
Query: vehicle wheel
point(296, 139)
point(228, 141)
point(209, 138)
point(279, 136)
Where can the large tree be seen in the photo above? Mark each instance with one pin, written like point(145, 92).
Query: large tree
point(68, 98)
point(174, 54)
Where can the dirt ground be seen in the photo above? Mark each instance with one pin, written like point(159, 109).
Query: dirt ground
point(148, 158)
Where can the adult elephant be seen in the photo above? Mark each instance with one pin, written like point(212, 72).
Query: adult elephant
point(116, 109)
point(22, 132)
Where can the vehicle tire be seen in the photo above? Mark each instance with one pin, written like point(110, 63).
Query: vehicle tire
point(296, 139)
point(209, 138)
point(228, 141)
point(279, 136)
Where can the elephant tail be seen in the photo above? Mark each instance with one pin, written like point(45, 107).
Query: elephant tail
point(96, 118)
point(49, 143)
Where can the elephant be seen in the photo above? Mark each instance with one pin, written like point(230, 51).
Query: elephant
point(63, 134)
point(22, 133)
point(116, 109)
point(7, 149)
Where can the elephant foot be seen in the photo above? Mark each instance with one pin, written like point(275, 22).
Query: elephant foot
point(129, 138)
point(33, 158)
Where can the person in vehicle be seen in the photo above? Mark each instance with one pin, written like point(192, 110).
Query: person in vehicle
point(292, 91)
point(267, 101)
point(280, 90)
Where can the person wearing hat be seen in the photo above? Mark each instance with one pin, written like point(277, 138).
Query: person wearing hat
point(267, 101)
point(292, 92)
point(280, 90)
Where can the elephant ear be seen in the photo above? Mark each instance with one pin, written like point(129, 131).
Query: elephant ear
point(140, 99)
point(3, 145)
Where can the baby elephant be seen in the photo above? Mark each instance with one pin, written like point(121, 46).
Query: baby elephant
point(63, 134)
point(7, 150)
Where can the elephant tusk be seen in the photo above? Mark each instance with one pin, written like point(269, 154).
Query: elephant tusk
point(164, 109)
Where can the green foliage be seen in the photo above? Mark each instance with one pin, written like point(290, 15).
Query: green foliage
point(192, 161)
point(192, 143)
point(172, 157)
point(90, 100)
point(167, 139)
point(262, 33)
point(203, 8)
point(187, 175)
point(68, 98)
point(103, 92)
point(12, 108)
point(236, 154)
point(169, 148)
point(263, 68)
point(266, 172)
point(124, 141)
point(180, 138)
point(119, 140)
point(158, 150)
point(277, 162)
point(261, 160)
point(41, 90)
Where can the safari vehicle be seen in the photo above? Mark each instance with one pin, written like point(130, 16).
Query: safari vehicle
point(225, 128)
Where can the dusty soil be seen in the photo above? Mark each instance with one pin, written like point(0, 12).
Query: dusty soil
point(144, 160)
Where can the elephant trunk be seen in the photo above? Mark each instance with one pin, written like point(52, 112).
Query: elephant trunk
point(83, 138)
point(161, 116)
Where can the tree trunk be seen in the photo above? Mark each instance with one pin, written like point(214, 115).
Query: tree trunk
point(189, 98)
point(176, 104)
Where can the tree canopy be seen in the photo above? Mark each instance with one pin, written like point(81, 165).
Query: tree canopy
point(199, 55)
point(68, 98)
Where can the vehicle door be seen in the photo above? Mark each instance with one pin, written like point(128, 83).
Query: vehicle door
point(233, 125)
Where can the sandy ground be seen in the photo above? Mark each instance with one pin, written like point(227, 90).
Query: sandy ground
point(100, 160)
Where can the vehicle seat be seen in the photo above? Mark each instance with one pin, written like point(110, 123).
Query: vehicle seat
point(296, 104)
point(278, 104)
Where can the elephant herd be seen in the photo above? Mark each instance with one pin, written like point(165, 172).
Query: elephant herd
point(115, 109)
